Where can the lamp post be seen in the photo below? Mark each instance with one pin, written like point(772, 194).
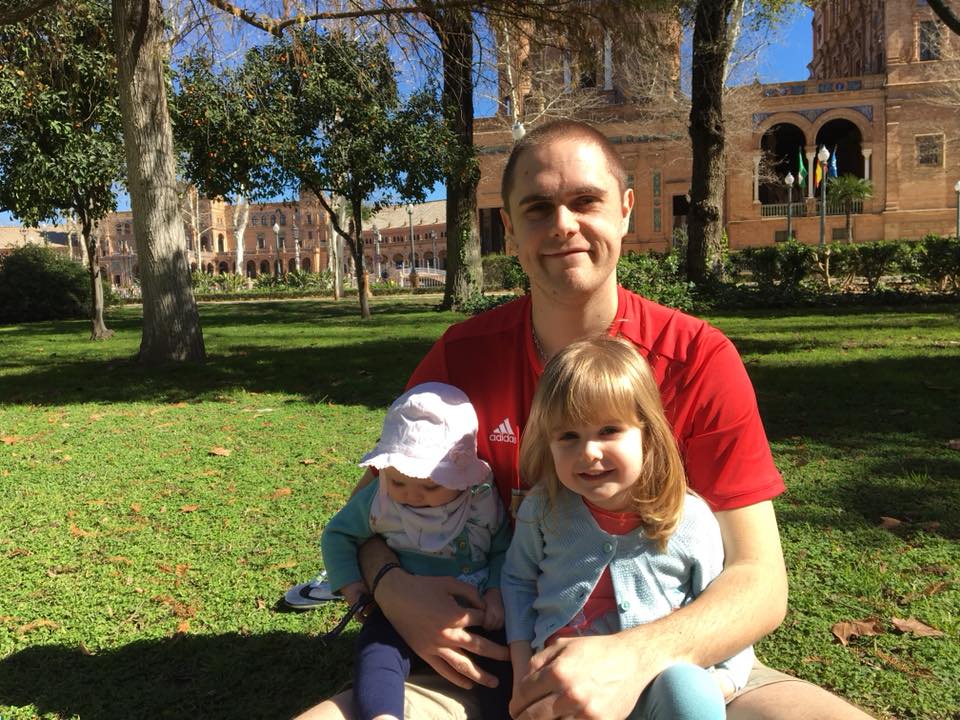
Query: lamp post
point(276, 245)
point(788, 181)
point(957, 189)
point(433, 237)
point(376, 252)
point(414, 280)
point(823, 156)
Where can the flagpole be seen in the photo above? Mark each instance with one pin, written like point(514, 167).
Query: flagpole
point(823, 156)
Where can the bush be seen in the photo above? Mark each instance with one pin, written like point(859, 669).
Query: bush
point(37, 283)
point(657, 277)
point(230, 282)
point(938, 262)
point(503, 272)
point(478, 303)
point(876, 259)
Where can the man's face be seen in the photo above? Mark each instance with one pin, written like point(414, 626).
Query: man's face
point(567, 217)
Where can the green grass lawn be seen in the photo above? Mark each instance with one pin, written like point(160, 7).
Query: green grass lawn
point(150, 520)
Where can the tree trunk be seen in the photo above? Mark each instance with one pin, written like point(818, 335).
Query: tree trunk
point(171, 323)
point(711, 51)
point(454, 27)
point(849, 226)
point(241, 212)
point(356, 249)
point(98, 328)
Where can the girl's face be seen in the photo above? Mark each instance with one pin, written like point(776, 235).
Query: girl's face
point(599, 461)
point(416, 492)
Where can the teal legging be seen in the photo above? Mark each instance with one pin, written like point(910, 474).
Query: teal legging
point(681, 692)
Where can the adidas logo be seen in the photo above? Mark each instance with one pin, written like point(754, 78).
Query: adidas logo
point(504, 433)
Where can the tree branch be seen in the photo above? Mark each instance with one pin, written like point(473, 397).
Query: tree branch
point(10, 16)
point(946, 15)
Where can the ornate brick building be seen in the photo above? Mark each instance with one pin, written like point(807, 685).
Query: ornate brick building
point(883, 95)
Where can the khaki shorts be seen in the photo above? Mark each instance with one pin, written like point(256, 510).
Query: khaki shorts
point(430, 697)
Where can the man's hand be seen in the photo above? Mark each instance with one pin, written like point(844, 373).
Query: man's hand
point(427, 614)
point(492, 609)
point(594, 678)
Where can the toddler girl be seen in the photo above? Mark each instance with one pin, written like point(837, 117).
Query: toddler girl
point(610, 538)
point(433, 504)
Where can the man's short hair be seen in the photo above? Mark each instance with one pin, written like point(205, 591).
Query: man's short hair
point(555, 131)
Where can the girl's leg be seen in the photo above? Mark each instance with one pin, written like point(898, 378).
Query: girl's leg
point(681, 692)
point(381, 667)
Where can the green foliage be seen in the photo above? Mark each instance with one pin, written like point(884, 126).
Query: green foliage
point(218, 126)
point(61, 146)
point(301, 280)
point(503, 272)
point(657, 277)
point(938, 261)
point(876, 259)
point(37, 283)
point(478, 303)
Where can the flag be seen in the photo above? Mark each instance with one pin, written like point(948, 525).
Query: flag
point(833, 163)
point(802, 170)
point(817, 173)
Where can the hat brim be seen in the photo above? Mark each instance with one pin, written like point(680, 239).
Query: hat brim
point(456, 476)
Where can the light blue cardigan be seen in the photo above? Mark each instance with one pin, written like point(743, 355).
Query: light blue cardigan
point(350, 528)
point(558, 555)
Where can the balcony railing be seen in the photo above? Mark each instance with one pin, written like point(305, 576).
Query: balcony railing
point(780, 209)
point(800, 209)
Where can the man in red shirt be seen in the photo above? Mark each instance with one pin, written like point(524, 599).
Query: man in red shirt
point(566, 207)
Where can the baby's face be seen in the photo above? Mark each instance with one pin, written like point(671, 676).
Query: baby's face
point(415, 492)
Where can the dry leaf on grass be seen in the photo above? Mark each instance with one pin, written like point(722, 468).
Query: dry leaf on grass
point(889, 523)
point(308, 461)
point(10, 439)
point(136, 507)
point(119, 560)
point(285, 565)
point(18, 552)
point(912, 625)
point(183, 626)
point(36, 625)
point(261, 604)
point(193, 507)
point(79, 532)
point(220, 451)
point(847, 629)
point(281, 492)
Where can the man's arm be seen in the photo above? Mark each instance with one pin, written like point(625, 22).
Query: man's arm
point(602, 677)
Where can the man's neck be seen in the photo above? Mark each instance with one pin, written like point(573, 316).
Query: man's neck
point(558, 324)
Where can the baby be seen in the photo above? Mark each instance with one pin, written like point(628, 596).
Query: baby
point(433, 504)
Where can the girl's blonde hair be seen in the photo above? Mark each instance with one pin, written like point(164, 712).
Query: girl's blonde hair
point(596, 380)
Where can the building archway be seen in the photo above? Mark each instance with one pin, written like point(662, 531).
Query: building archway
point(305, 264)
point(428, 258)
point(251, 269)
point(223, 268)
point(209, 268)
point(843, 137)
point(264, 267)
point(398, 260)
point(220, 242)
point(780, 147)
point(193, 267)
point(291, 265)
point(204, 242)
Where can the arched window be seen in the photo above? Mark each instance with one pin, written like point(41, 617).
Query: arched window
point(264, 267)
point(220, 242)
point(251, 269)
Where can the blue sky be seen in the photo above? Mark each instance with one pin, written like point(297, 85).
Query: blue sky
point(785, 58)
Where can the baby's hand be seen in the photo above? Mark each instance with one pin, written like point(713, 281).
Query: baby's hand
point(353, 591)
point(493, 609)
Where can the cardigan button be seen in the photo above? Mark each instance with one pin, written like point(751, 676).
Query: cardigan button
point(608, 547)
point(624, 606)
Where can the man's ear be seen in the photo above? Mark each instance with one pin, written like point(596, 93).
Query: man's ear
point(626, 209)
point(507, 223)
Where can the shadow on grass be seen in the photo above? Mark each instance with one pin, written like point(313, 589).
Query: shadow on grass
point(367, 373)
point(274, 675)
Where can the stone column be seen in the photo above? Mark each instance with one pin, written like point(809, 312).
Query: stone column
point(866, 152)
point(756, 178)
point(811, 159)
